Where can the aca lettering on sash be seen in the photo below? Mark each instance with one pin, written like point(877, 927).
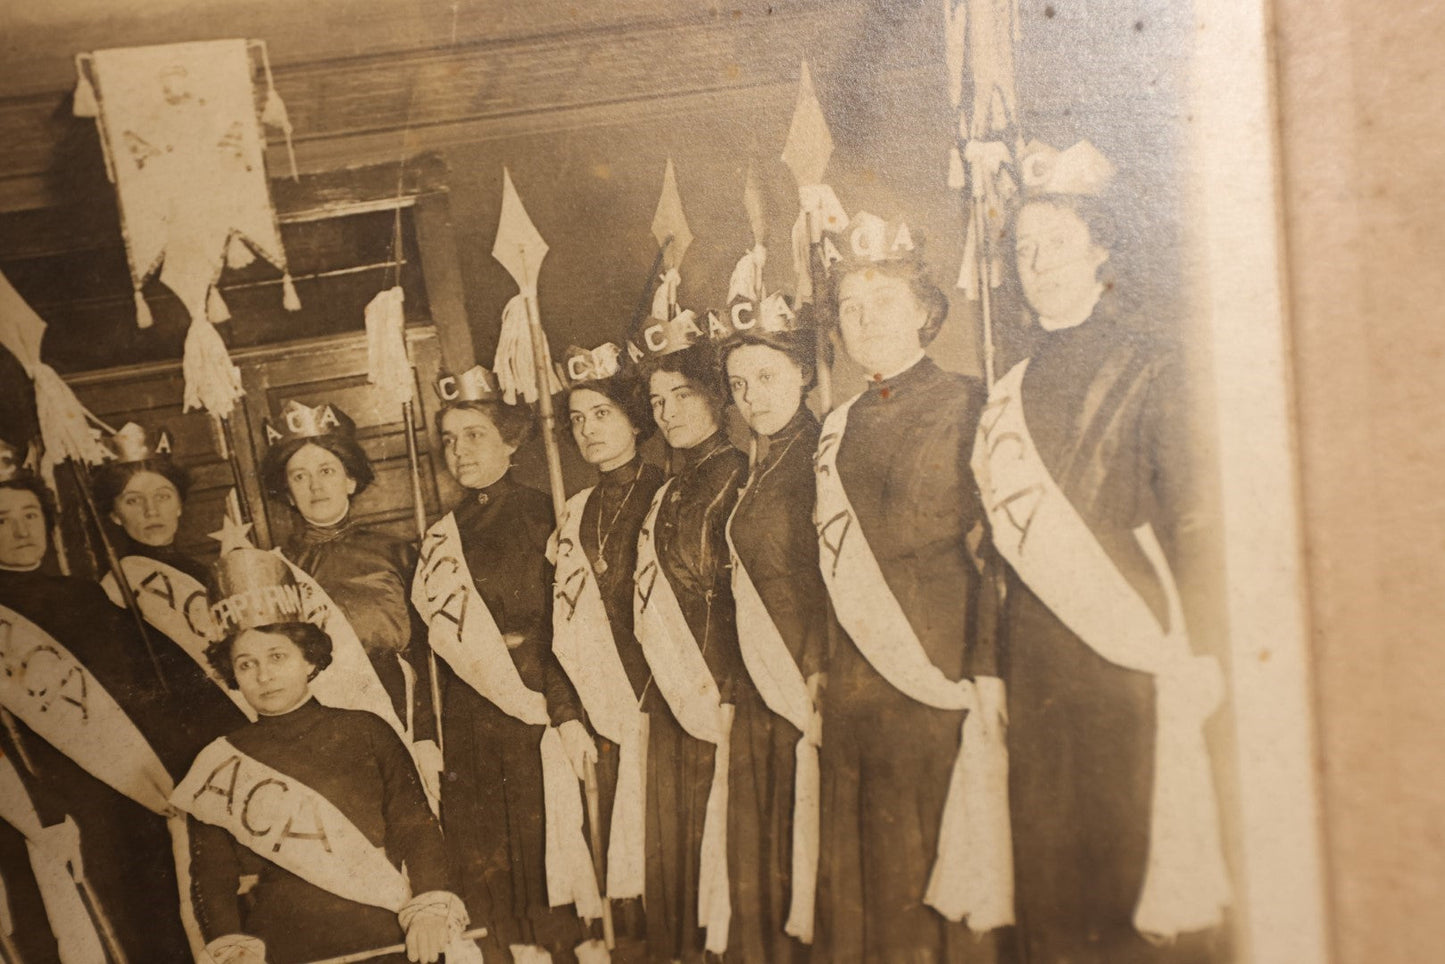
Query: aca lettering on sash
point(1018, 504)
point(568, 588)
point(264, 807)
point(46, 676)
point(159, 585)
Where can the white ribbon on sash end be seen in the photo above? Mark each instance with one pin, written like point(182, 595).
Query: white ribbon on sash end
point(463, 632)
point(1038, 530)
point(684, 680)
point(781, 685)
point(76, 937)
point(174, 603)
point(583, 643)
point(972, 876)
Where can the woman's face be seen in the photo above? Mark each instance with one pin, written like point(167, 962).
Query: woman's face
point(319, 484)
point(271, 671)
point(22, 530)
point(681, 409)
point(148, 509)
point(1058, 264)
point(475, 452)
point(879, 318)
point(602, 430)
point(767, 387)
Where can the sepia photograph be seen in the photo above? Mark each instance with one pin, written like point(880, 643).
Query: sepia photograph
point(656, 481)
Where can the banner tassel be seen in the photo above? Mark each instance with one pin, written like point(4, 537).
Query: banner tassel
point(289, 299)
point(216, 310)
point(143, 317)
point(85, 103)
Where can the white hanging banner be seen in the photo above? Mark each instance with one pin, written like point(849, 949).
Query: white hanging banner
point(1040, 533)
point(184, 145)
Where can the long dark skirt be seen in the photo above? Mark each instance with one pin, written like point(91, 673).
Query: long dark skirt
point(886, 763)
point(760, 834)
point(1081, 777)
point(494, 821)
point(679, 778)
point(628, 920)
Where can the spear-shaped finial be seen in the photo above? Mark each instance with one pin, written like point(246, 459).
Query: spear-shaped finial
point(674, 237)
point(519, 246)
point(810, 143)
point(669, 224)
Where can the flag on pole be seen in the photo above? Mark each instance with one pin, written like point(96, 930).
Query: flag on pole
point(184, 147)
point(520, 249)
point(808, 148)
point(66, 430)
point(674, 237)
point(388, 367)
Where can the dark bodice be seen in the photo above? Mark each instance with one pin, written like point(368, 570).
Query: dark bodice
point(692, 548)
point(169, 555)
point(504, 530)
point(773, 532)
point(1104, 406)
point(613, 515)
point(904, 462)
point(367, 574)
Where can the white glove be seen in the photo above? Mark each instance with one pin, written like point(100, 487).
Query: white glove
point(579, 746)
point(434, 922)
point(236, 949)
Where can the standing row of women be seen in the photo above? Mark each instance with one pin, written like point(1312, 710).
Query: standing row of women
point(783, 671)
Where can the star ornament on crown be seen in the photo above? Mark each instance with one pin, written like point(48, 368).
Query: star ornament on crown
point(299, 421)
point(1080, 170)
point(133, 444)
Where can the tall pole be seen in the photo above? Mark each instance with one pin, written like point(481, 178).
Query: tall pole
point(127, 593)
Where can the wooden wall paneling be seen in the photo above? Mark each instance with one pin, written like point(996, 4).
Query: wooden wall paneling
point(443, 275)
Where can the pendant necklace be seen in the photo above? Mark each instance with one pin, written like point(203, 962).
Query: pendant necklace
point(601, 567)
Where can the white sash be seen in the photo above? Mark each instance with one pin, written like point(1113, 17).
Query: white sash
point(1051, 547)
point(463, 632)
point(350, 682)
point(582, 640)
point(684, 680)
point(74, 930)
point(972, 874)
point(62, 701)
point(45, 686)
point(174, 603)
point(289, 824)
point(780, 683)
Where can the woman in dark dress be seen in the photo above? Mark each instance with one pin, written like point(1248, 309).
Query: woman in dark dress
point(1091, 427)
point(775, 549)
point(592, 607)
point(93, 731)
point(901, 530)
point(321, 806)
point(316, 466)
point(485, 585)
point(143, 491)
point(684, 620)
